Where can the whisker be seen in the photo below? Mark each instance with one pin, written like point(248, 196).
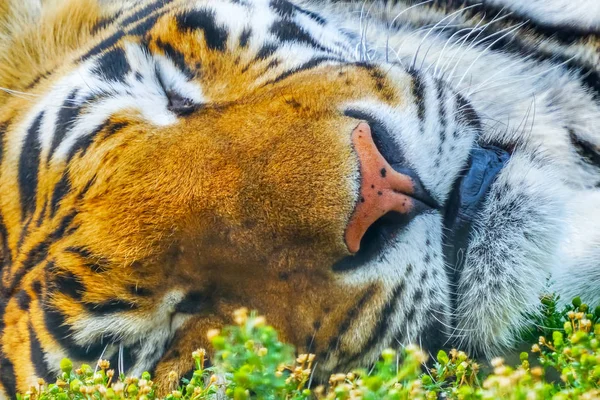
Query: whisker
point(451, 15)
point(510, 31)
point(391, 24)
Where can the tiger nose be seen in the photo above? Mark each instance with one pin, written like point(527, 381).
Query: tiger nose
point(382, 189)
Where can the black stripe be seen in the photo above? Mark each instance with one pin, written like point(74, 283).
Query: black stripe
point(139, 29)
point(110, 306)
point(23, 299)
point(3, 128)
point(113, 65)
point(86, 188)
point(115, 127)
point(56, 324)
point(265, 51)
point(139, 291)
point(143, 27)
point(37, 356)
point(310, 64)
point(5, 254)
point(467, 113)
point(289, 31)
point(39, 253)
point(24, 232)
point(215, 35)
point(177, 57)
point(103, 45)
point(37, 79)
point(36, 286)
point(283, 7)
point(60, 191)
point(286, 9)
point(491, 41)
point(28, 168)
point(442, 110)
point(352, 316)
point(105, 22)
point(80, 251)
point(3, 304)
point(66, 283)
point(83, 142)
point(382, 327)
point(418, 92)
point(589, 152)
point(566, 34)
point(96, 264)
point(40, 219)
point(245, 37)
point(146, 11)
point(65, 121)
point(7, 376)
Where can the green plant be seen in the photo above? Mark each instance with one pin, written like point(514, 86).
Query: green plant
point(250, 362)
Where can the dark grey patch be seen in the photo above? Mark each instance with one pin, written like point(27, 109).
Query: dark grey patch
point(194, 303)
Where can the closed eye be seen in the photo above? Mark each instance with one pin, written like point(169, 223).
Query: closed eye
point(177, 103)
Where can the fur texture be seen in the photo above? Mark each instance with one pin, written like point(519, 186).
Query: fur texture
point(165, 162)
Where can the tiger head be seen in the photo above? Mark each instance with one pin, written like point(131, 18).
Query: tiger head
point(196, 157)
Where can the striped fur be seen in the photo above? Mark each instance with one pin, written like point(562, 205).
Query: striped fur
point(164, 162)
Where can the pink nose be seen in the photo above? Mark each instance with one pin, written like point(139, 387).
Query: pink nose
point(381, 188)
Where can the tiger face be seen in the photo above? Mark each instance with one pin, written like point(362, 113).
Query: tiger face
point(194, 157)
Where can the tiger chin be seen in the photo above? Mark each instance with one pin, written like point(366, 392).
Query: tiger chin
point(365, 175)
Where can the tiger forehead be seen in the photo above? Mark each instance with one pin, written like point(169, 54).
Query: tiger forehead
point(228, 54)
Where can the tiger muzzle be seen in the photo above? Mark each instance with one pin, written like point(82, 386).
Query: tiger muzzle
point(384, 189)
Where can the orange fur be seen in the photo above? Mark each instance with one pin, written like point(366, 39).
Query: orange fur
point(254, 215)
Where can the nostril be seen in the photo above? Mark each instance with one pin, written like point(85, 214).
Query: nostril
point(383, 189)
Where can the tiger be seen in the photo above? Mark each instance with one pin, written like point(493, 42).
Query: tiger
point(366, 175)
